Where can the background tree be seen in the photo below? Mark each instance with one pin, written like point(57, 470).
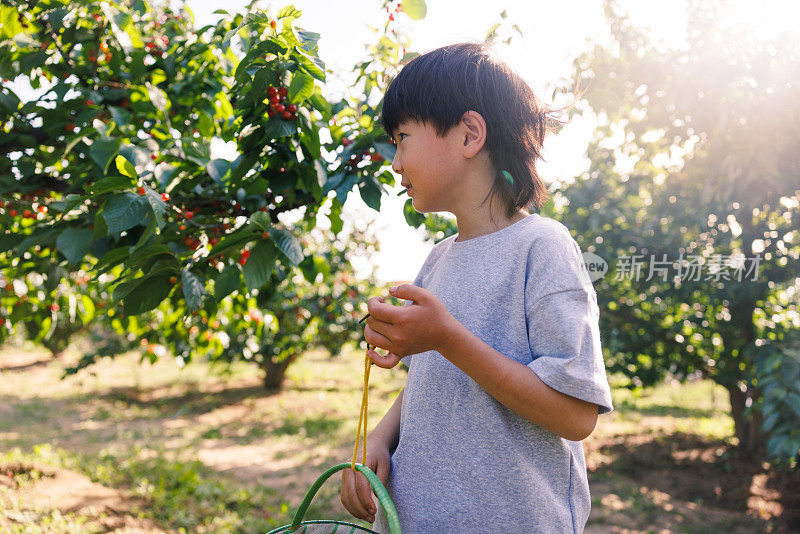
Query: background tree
point(694, 168)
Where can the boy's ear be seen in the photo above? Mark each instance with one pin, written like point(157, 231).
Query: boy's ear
point(473, 135)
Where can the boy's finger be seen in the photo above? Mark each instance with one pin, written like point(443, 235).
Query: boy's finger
point(348, 492)
point(351, 498)
point(364, 494)
point(386, 362)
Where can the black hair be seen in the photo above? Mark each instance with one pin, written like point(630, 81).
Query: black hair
point(439, 86)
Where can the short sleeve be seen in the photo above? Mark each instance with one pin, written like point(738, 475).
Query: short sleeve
point(563, 323)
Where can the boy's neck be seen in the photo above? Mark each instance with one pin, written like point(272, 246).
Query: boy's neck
point(480, 222)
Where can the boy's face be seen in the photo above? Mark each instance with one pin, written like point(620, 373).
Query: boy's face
point(428, 164)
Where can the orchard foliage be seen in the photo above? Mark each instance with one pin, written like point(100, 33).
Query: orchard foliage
point(121, 157)
point(118, 206)
point(695, 160)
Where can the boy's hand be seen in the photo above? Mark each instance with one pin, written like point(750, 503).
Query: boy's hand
point(402, 330)
point(356, 492)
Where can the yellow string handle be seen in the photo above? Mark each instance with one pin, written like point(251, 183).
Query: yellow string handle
point(363, 415)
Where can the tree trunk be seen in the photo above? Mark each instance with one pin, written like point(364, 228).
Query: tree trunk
point(275, 372)
point(748, 429)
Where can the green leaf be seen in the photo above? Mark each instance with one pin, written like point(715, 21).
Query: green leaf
point(103, 151)
point(195, 151)
point(302, 87)
point(308, 39)
point(386, 150)
point(288, 11)
point(314, 66)
point(158, 206)
point(277, 127)
point(287, 244)
point(74, 243)
point(111, 258)
point(261, 220)
point(260, 264)
point(113, 183)
point(126, 168)
point(371, 192)
point(193, 289)
point(9, 101)
point(148, 251)
point(149, 231)
point(234, 239)
point(124, 211)
point(319, 102)
point(123, 289)
point(227, 282)
point(218, 169)
point(147, 294)
point(9, 241)
point(415, 9)
point(120, 115)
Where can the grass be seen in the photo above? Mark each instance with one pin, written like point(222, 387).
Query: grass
point(206, 449)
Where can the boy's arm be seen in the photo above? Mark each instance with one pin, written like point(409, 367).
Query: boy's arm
point(388, 429)
point(517, 387)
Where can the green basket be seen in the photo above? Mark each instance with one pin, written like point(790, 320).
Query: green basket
point(323, 526)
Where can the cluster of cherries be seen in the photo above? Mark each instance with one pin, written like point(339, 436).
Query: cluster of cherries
point(277, 106)
point(26, 213)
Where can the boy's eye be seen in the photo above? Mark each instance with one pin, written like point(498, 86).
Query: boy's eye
point(400, 136)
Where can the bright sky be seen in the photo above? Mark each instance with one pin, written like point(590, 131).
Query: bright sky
point(554, 34)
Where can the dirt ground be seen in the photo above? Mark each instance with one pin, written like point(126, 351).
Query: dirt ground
point(655, 479)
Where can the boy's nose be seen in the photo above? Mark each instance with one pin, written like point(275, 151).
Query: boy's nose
point(396, 165)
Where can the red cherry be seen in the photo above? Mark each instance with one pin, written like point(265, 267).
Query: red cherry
point(54, 307)
point(189, 215)
point(287, 115)
point(89, 102)
point(164, 197)
point(242, 260)
point(173, 280)
point(282, 92)
point(42, 209)
point(274, 100)
point(346, 141)
point(262, 208)
point(271, 112)
point(98, 18)
point(273, 24)
point(291, 108)
point(141, 190)
point(28, 214)
point(293, 117)
point(280, 108)
point(69, 127)
point(245, 253)
point(13, 213)
point(272, 91)
point(153, 156)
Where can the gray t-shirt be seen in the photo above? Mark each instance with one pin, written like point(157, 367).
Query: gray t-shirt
point(464, 462)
